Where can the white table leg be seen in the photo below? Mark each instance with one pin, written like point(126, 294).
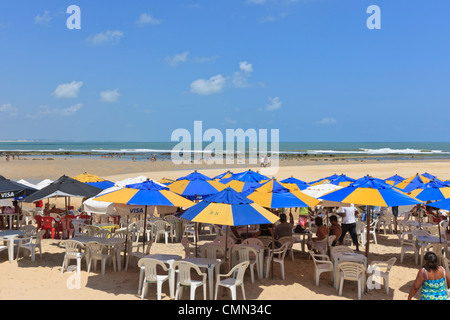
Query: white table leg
point(210, 280)
point(10, 250)
point(141, 278)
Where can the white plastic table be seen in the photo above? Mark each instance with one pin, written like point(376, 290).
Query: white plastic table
point(339, 257)
point(168, 259)
point(209, 264)
point(9, 236)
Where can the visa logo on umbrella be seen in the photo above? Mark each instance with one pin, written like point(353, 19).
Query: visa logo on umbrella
point(136, 211)
point(238, 147)
point(7, 195)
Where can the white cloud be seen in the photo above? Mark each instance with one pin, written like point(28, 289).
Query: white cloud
point(240, 78)
point(146, 18)
point(274, 104)
point(9, 110)
point(327, 120)
point(245, 66)
point(68, 90)
point(110, 95)
point(45, 111)
point(44, 18)
point(176, 59)
point(105, 38)
point(205, 87)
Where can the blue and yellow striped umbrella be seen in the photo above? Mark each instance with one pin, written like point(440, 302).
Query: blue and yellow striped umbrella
point(146, 193)
point(412, 183)
point(302, 185)
point(224, 175)
point(196, 186)
point(246, 176)
point(273, 194)
point(394, 180)
point(431, 191)
point(229, 208)
point(94, 181)
point(323, 180)
point(371, 192)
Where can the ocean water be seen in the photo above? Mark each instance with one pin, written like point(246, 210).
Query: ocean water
point(143, 150)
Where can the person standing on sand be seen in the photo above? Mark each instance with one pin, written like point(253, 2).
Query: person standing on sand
point(348, 224)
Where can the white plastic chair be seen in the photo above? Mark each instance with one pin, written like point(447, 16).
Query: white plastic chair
point(73, 252)
point(152, 276)
point(134, 251)
point(409, 245)
point(31, 244)
point(322, 264)
point(78, 226)
point(249, 254)
point(163, 228)
point(99, 252)
point(351, 271)
point(320, 246)
point(90, 230)
point(148, 229)
point(381, 269)
point(221, 240)
point(29, 229)
point(234, 279)
point(189, 247)
point(277, 256)
point(386, 221)
point(215, 252)
point(291, 240)
point(372, 230)
point(189, 230)
point(183, 268)
point(102, 233)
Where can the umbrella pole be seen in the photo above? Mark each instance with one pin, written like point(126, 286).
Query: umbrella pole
point(273, 249)
point(196, 236)
point(368, 230)
point(126, 244)
point(145, 229)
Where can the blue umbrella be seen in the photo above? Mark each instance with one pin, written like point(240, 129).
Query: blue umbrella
point(102, 184)
point(302, 185)
point(394, 179)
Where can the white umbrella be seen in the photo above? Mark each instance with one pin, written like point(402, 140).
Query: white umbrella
point(43, 184)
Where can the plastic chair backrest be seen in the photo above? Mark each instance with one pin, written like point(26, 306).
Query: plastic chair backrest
point(104, 234)
point(341, 249)
point(184, 272)
point(73, 247)
point(238, 272)
point(47, 222)
point(39, 236)
point(221, 241)
point(244, 252)
point(266, 241)
point(351, 270)
point(419, 232)
point(161, 225)
point(210, 251)
point(150, 266)
point(254, 242)
point(95, 249)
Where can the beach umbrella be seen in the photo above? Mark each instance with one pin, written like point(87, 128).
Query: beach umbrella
point(195, 176)
point(64, 187)
point(94, 180)
point(430, 176)
point(302, 185)
point(324, 180)
point(394, 179)
point(224, 175)
point(342, 180)
point(431, 191)
point(370, 191)
point(246, 176)
point(11, 189)
point(43, 183)
point(147, 193)
point(166, 181)
point(275, 195)
point(26, 183)
point(229, 208)
point(196, 186)
point(412, 183)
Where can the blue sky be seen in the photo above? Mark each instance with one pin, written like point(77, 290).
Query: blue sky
point(137, 70)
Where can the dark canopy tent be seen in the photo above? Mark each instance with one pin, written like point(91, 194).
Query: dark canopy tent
point(64, 187)
point(11, 189)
